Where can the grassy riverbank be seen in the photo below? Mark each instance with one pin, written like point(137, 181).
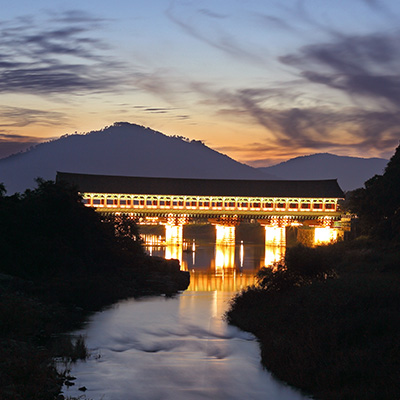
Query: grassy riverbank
point(335, 338)
point(328, 318)
point(59, 262)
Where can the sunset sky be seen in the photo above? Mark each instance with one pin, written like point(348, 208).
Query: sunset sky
point(262, 81)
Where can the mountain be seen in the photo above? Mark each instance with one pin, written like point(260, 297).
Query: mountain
point(351, 172)
point(121, 149)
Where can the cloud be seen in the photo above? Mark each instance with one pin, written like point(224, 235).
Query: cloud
point(11, 144)
point(168, 112)
point(271, 21)
point(305, 129)
point(212, 14)
point(63, 56)
point(365, 67)
point(14, 118)
point(159, 82)
point(18, 117)
point(76, 17)
point(372, 3)
point(213, 35)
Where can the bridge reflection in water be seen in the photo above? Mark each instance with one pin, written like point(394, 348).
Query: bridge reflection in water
point(220, 266)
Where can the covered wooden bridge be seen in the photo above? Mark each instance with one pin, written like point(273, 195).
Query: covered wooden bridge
point(224, 200)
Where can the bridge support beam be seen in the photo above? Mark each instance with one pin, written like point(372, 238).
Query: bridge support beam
point(225, 234)
point(275, 235)
point(174, 242)
point(224, 247)
point(173, 234)
point(325, 235)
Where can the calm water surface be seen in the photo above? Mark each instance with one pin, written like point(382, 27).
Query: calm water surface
point(181, 348)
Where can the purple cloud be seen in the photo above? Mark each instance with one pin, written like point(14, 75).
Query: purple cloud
point(68, 58)
point(362, 66)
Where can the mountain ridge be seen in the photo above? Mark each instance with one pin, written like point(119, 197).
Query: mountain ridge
point(125, 149)
point(351, 172)
point(121, 149)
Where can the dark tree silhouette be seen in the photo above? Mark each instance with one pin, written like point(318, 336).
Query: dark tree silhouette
point(378, 203)
point(2, 190)
point(48, 231)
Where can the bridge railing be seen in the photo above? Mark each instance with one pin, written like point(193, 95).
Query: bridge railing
point(190, 203)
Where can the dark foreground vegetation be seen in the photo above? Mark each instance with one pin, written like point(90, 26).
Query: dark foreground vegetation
point(328, 318)
point(60, 261)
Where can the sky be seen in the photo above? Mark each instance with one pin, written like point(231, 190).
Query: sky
point(262, 81)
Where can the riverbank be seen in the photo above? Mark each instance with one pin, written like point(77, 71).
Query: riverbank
point(334, 338)
point(35, 318)
point(60, 261)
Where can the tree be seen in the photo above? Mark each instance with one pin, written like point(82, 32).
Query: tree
point(378, 203)
point(48, 231)
point(302, 265)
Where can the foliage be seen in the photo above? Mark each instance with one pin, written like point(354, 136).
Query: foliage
point(2, 190)
point(29, 339)
point(302, 265)
point(59, 261)
point(57, 234)
point(126, 231)
point(378, 203)
point(334, 338)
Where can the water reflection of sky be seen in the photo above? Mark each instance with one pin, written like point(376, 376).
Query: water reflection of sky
point(173, 349)
point(181, 348)
point(222, 265)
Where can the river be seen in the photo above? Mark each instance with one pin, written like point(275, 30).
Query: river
point(181, 348)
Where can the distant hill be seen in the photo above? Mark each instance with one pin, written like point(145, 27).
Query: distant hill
point(121, 149)
point(351, 172)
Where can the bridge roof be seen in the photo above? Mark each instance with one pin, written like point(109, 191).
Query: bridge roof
point(202, 187)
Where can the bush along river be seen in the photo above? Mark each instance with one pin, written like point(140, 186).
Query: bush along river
point(181, 347)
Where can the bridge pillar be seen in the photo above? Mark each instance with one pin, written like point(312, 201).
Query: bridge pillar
point(173, 242)
point(224, 247)
point(173, 234)
point(225, 234)
point(174, 228)
point(275, 235)
point(326, 234)
point(275, 242)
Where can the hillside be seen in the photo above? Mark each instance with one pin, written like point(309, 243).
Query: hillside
point(121, 149)
point(351, 172)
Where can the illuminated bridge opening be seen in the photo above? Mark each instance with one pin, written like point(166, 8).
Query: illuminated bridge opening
point(174, 202)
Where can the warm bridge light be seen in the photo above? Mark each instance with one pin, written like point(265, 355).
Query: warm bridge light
point(325, 235)
point(273, 254)
point(225, 234)
point(225, 246)
point(173, 234)
point(275, 236)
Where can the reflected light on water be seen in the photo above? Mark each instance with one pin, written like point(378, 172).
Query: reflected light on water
point(172, 349)
point(241, 254)
point(222, 266)
point(175, 251)
point(180, 348)
point(152, 243)
point(275, 244)
point(273, 254)
point(173, 234)
point(224, 256)
point(209, 282)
